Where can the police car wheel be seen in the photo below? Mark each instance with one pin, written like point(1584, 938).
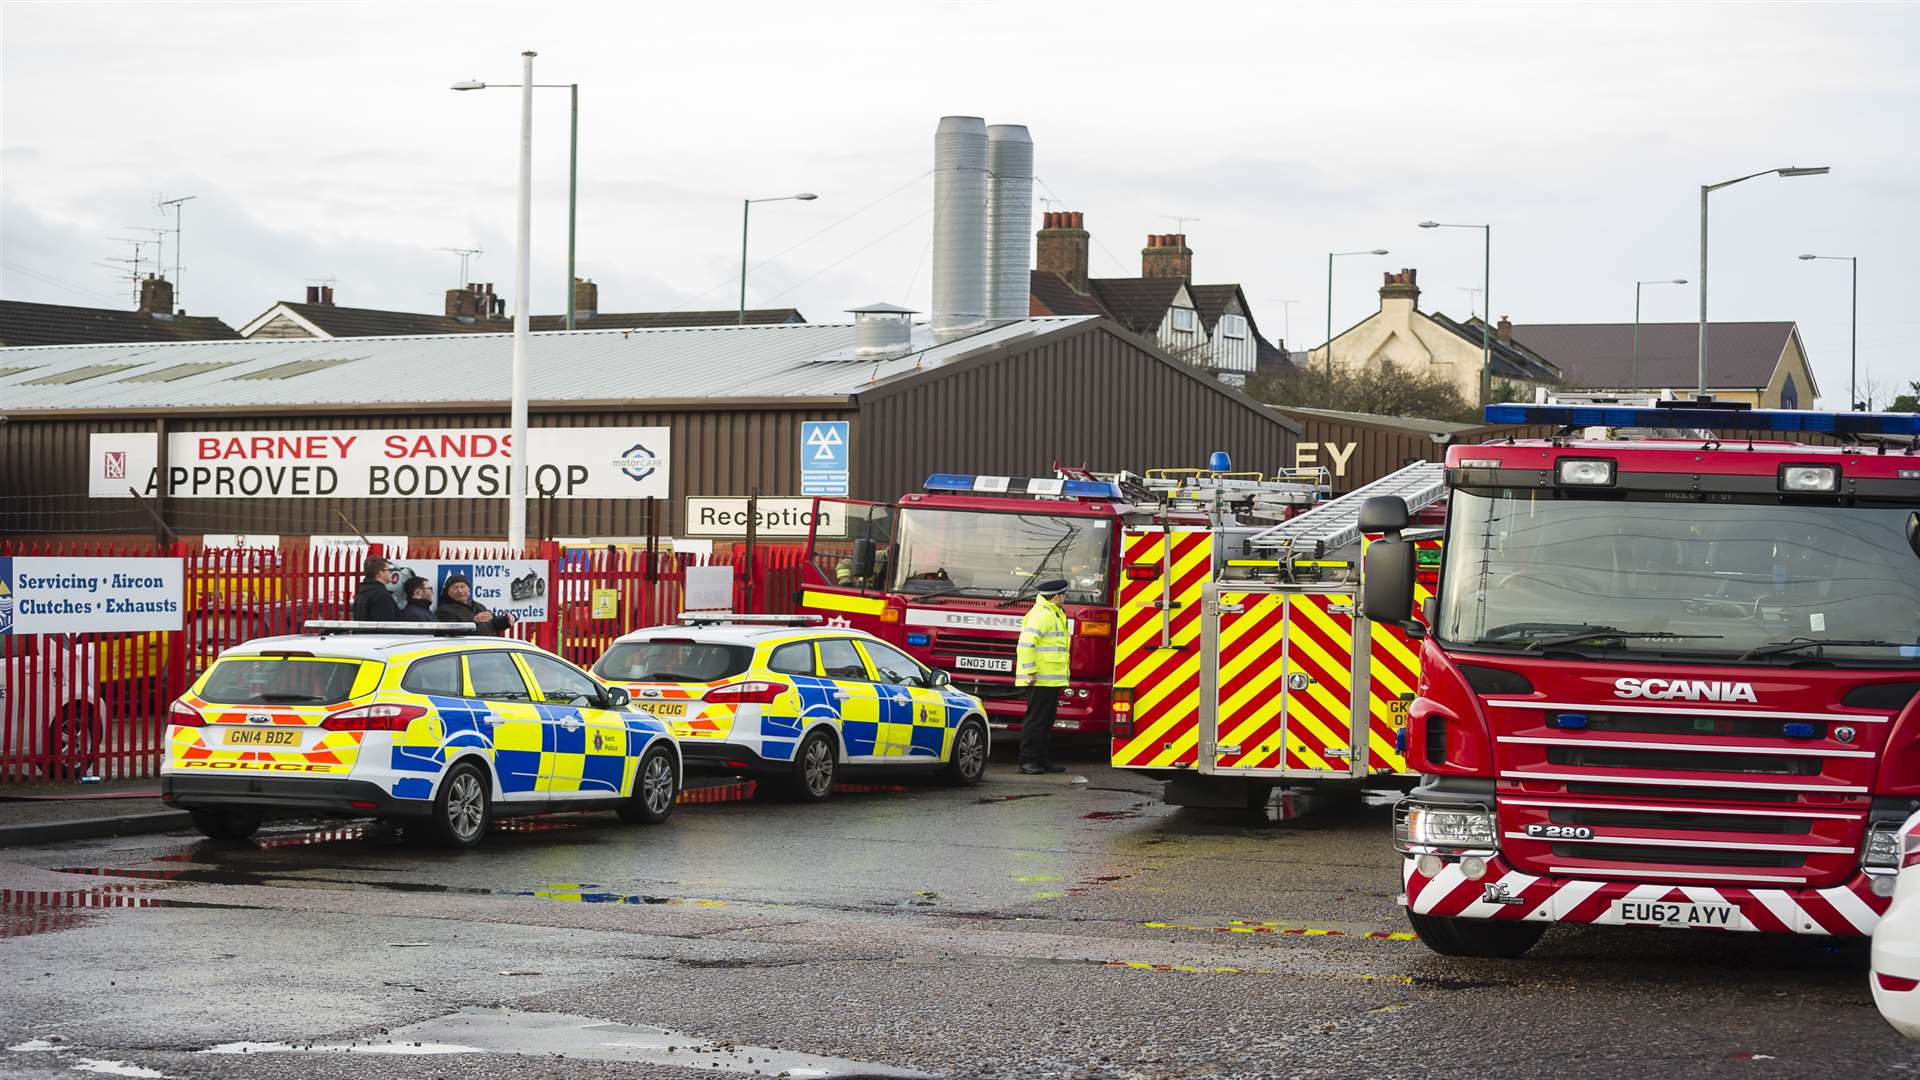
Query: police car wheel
point(654, 790)
point(463, 808)
point(225, 824)
point(814, 765)
point(1475, 937)
point(967, 763)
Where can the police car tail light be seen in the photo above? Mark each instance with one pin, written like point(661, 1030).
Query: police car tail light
point(181, 714)
point(374, 718)
point(747, 693)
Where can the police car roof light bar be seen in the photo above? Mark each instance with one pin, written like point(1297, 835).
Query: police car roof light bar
point(1029, 486)
point(725, 618)
point(350, 626)
point(1714, 416)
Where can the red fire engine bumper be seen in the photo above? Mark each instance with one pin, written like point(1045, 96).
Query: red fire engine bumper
point(1504, 893)
point(1084, 707)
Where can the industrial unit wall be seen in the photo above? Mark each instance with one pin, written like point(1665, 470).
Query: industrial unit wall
point(1093, 395)
point(722, 451)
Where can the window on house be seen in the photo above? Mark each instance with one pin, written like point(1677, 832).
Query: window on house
point(1183, 319)
point(1234, 326)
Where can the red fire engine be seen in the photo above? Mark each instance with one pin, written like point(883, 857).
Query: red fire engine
point(1671, 676)
point(948, 574)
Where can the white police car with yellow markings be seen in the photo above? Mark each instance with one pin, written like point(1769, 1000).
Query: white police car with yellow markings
point(425, 724)
point(786, 697)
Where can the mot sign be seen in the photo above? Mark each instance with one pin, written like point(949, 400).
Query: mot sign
point(431, 463)
point(59, 595)
point(823, 457)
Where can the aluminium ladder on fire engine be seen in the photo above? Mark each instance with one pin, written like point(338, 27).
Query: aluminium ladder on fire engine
point(1336, 523)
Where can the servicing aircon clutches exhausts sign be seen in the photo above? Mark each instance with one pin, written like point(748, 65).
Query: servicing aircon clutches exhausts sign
point(438, 463)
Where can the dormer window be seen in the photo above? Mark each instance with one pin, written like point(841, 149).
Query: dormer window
point(1233, 326)
point(1183, 319)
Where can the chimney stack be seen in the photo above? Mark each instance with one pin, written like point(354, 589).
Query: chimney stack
point(473, 303)
point(1062, 246)
point(313, 294)
point(156, 295)
point(959, 226)
point(586, 298)
point(326, 295)
point(1401, 286)
point(1167, 256)
point(1504, 329)
point(1009, 222)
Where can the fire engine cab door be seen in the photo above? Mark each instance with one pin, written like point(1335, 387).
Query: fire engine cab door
point(828, 587)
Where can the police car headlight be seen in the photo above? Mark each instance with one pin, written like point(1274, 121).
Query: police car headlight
point(1816, 479)
point(1586, 472)
point(1460, 827)
point(1883, 846)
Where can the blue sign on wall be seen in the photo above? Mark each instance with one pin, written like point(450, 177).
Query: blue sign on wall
point(823, 457)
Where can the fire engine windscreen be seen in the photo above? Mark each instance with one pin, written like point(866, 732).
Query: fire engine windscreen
point(1522, 566)
point(997, 556)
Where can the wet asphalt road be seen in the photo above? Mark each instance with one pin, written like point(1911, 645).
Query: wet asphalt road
point(1030, 927)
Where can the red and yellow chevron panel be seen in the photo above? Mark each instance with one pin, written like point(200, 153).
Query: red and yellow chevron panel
point(1157, 651)
point(1320, 681)
point(1252, 691)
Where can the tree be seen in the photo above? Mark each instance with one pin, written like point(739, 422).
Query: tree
point(1385, 389)
point(1907, 402)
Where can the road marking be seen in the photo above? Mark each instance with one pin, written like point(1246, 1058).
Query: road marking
point(1244, 926)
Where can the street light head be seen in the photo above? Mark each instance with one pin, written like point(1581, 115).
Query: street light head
point(1679, 281)
point(1429, 224)
point(469, 84)
point(806, 196)
point(1815, 170)
point(1805, 257)
point(1378, 251)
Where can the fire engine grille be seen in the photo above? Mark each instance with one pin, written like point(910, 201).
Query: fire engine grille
point(1681, 820)
point(973, 645)
point(1668, 856)
point(1667, 724)
point(1595, 757)
point(1688, 794)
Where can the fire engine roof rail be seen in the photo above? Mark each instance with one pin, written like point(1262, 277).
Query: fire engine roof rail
point(1336, 523)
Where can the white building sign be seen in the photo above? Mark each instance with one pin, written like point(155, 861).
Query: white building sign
point(777, 517)
point(60, 595)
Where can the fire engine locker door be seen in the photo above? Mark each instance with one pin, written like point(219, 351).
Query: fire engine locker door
point(1157, 646)
point(1249, 699)
point(1319, 685)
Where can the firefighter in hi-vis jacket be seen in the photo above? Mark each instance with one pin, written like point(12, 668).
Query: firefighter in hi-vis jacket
point(1041, 667)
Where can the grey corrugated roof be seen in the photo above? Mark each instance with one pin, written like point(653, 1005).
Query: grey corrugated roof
point(1599, 356)
point(799, 360)
point(1406, 423)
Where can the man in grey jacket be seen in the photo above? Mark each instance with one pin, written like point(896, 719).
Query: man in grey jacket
point(458, 605)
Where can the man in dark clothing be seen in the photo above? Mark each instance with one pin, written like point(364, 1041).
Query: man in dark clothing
point(419, 601)
point(374, 602)
point(458, 605)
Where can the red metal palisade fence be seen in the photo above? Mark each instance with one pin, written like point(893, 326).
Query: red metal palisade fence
point(73, 705)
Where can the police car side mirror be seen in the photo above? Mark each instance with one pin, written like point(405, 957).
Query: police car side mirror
point(865, 554)
point(940, 679)
point(618, 698)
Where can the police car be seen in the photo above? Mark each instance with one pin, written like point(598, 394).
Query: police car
point(422, 723)
point(790, 698)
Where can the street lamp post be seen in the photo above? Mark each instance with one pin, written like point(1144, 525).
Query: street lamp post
point(573, 166)
point(1486, 294)
point(1708, 189)
point(1332, 255)
point(1636, 321)
point(746, 208)
point(1853, 330)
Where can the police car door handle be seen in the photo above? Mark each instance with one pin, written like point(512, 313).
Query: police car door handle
point(842, 695)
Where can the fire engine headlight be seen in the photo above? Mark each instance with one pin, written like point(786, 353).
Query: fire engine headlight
point(1423, 827)
point(1809, 478)
point(1586, 472)
point(1883, 846)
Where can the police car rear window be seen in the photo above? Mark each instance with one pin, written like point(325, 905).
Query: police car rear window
point(673, 661)
point(280, 680)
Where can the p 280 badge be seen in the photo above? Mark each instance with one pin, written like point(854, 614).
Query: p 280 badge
point(1559, 832)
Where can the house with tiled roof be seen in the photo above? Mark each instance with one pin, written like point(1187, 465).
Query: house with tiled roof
point(476, 309)
point(1209, 326)
point(1762, 363)
point(26, 323)
point(1435, 344)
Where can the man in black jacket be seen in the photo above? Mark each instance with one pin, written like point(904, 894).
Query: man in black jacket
point(374, 602)
point(458, 605)
point(419, 601)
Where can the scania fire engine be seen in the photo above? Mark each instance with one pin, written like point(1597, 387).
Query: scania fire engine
point(949, 573)
point(1671, 675)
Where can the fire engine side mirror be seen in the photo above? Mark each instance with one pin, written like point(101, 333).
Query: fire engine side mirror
point(865, 555)
point(1386, 582)
point(1384, 514)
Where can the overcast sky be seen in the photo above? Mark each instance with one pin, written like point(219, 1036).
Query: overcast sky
point(321, 142)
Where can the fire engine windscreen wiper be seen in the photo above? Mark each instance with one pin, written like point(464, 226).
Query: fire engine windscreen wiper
point(1594, 633)
point(1776, 648)
point(958, 590)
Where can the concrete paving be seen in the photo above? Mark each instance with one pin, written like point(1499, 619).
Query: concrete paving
point(1030, 927)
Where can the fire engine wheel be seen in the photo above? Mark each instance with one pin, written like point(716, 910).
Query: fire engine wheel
point(967, 763)
point(463, 808)
point(814, 766)
point(653, 790)
point(73, 742)
point(1475, 937)
point(226, 824)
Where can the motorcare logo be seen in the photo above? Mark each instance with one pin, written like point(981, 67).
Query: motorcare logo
point(1683, 690)
point(638, 462)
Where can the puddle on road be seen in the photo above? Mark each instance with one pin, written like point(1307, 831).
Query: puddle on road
point(26, 912)
point(989, 799)
point(1110, 815)
point(559, 1035)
